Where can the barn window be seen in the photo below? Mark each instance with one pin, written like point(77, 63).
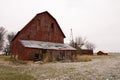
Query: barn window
point(52, 25)
point(28, 36)
point(38, 24)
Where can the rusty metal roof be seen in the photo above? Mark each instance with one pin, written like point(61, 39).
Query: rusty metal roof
point(45, 45)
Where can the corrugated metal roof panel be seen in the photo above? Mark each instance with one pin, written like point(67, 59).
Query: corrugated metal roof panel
point(45, 45)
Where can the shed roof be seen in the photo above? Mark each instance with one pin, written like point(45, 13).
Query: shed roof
point(45, 45)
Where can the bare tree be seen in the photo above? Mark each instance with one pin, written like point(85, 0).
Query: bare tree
point(79, 41)
point(89, 45)
point(72, 43)
point(9, 37)
point(2, 33)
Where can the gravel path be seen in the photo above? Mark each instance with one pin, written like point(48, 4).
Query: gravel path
point(97, 69)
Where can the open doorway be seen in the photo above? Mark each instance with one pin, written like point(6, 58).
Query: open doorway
point(36, 57)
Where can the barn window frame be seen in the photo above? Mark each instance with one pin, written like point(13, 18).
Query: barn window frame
point(52, 26)
point(28, 36)
point(38, 24)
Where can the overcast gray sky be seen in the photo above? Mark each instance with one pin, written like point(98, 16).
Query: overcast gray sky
point(97, 20)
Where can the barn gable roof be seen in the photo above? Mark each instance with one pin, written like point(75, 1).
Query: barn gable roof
point(54, 20)
point(45, 45)
point(35, 17)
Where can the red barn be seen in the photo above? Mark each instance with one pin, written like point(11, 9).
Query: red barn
point(40, 36)
point(86, 52)
point(101, 53)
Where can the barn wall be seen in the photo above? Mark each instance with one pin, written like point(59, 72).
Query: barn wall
point(17, 49)
point(43, 27)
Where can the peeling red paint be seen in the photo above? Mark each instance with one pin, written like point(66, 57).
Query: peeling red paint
point(43, 27)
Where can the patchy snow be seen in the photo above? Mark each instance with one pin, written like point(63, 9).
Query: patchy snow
point(97, 69)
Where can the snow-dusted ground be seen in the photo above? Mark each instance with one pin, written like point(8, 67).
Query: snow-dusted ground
point(97, 69)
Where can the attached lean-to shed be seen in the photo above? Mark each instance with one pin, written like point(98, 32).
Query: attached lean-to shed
point(42, 35)
point(86, 52)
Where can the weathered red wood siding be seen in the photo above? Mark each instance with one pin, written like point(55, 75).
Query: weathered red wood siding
point(87, 52)
point(40, 29)
point(43, 27)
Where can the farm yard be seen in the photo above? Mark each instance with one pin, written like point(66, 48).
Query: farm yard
point(68, 40)
point(100, 68)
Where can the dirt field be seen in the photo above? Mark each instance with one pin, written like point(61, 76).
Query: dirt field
point(100, 68)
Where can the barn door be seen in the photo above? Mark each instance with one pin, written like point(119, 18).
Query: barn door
point(36, 57)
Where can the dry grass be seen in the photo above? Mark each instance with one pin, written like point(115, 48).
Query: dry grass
point(9, 73)
point(81, 58)
point(104, 56)
point(15, 61)
point(100, 68)
point(4, 57)
point(84, 58)
point(46, 59)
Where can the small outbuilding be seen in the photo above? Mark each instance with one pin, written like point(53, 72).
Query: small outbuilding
point(101, 53)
